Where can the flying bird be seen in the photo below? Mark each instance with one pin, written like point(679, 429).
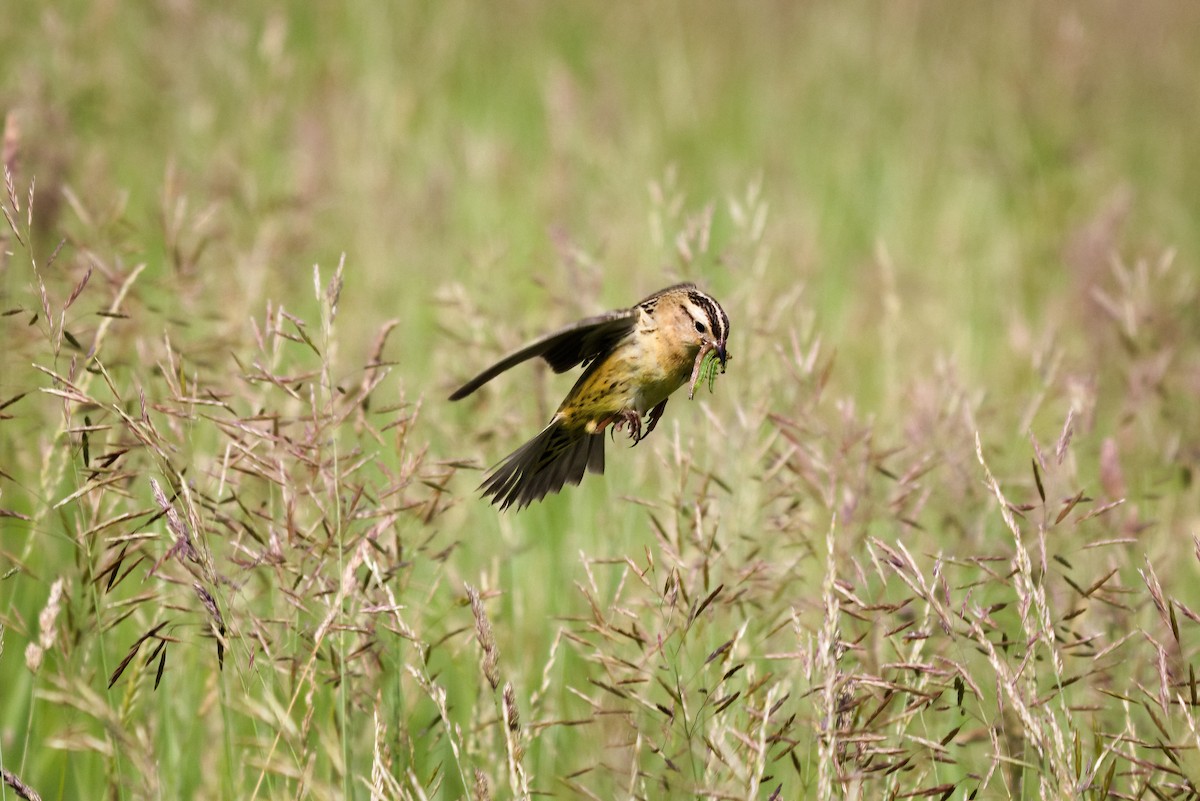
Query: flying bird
point(633, 360)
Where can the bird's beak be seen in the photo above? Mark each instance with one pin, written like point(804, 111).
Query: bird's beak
point(721, 354)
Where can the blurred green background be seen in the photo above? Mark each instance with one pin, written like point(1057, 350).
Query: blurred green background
point(935, 192)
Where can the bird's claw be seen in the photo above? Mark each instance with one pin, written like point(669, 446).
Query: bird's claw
point(631, 419)
point(633, 422)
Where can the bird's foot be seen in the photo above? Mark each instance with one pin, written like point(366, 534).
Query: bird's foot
point(632, 421)
point(655, 414)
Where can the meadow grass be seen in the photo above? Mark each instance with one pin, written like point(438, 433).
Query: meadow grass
point(935, 534)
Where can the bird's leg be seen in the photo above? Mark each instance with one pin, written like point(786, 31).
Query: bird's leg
point(655, 414)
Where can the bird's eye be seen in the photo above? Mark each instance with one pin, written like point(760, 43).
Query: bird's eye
point(700, 326)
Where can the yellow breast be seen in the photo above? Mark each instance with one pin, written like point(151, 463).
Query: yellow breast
point(638, 375)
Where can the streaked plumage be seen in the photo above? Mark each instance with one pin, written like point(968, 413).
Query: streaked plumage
point(633, 360)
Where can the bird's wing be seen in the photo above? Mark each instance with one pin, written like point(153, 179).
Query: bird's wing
point(577, 343)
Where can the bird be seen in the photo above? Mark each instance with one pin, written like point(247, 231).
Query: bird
point(633, 360)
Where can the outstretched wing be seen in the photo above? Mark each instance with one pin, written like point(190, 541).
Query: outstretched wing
point(565, 348)
point(576, 344)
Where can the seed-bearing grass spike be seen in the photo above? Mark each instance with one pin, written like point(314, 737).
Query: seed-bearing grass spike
point(633, 360)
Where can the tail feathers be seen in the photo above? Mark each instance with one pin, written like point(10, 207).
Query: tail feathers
point(543, 465)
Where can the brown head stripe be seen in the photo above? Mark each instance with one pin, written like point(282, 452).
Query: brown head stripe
point(717, 318)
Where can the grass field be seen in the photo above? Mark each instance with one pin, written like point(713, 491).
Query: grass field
point(935, 534)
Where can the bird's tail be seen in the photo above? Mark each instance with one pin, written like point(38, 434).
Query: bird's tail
point(542, 465)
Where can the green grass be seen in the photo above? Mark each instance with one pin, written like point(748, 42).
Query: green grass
point(931, 227)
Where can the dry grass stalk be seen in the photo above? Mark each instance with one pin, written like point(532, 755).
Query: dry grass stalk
point(486, 639)
point(517, 778)
point(826, 675)
point(19, 787)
